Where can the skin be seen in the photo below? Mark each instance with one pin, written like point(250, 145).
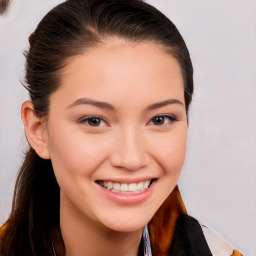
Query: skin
point(128, 145)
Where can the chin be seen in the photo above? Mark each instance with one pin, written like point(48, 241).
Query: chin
point(126, 227)
point(127, 223)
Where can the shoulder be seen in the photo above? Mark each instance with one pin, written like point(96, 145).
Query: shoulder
point(202, 240)
point(218, 245)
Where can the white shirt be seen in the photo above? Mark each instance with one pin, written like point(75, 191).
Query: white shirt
point(218, 246)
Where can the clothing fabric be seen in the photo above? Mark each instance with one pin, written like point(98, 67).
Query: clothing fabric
point(174, 233)
point(171, 232)
point(217, 245)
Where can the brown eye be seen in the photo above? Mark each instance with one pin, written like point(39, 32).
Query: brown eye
point(162, 120)
point(94, 121)
point(158, 120)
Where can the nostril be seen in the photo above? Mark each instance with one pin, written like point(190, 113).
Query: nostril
point(130, 161)
point(132, 166)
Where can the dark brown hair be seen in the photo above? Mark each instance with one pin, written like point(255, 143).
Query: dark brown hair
point(3, 5)
point(68, 30)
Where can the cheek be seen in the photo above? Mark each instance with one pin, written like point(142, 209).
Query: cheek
point(75, 158)
point(170, 150)
point(76, 154)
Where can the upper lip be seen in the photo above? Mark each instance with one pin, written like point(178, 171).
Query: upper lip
point(127, 180)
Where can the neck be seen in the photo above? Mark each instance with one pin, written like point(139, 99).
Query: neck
point(84, 236)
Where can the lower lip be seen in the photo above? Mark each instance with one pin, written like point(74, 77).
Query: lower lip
point(128, 198)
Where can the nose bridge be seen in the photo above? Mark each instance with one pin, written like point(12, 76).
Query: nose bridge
point(130, 149)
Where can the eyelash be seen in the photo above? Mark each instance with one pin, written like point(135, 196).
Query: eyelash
point(171, 118)
point(86, 119)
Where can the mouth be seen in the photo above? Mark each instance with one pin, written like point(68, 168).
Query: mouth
point(126, 188)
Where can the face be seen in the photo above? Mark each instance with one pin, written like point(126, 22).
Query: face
point(116, 132)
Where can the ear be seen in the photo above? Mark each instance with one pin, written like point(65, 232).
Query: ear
point(35, 129)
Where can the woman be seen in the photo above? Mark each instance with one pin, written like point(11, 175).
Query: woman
point(110, 84)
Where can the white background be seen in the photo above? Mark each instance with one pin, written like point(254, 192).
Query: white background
point(218, 183)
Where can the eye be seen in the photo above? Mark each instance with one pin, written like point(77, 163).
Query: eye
point(94, 121)
point(162, 120)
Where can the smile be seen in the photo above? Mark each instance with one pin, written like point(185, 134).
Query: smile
point(126, 188)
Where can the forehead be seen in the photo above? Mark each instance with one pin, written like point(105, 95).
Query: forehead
point(123, 69)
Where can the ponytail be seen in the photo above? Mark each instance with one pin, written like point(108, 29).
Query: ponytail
point(35, 209)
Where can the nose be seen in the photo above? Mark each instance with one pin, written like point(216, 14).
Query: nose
point(129, 151)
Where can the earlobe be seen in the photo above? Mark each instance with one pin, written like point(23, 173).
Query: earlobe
point(35, 129)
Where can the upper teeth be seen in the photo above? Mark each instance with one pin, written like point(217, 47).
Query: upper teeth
point(125, 187)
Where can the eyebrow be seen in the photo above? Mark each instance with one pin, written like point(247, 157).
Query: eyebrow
point(108, 106)
point(87, 101)
point(163, 103)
